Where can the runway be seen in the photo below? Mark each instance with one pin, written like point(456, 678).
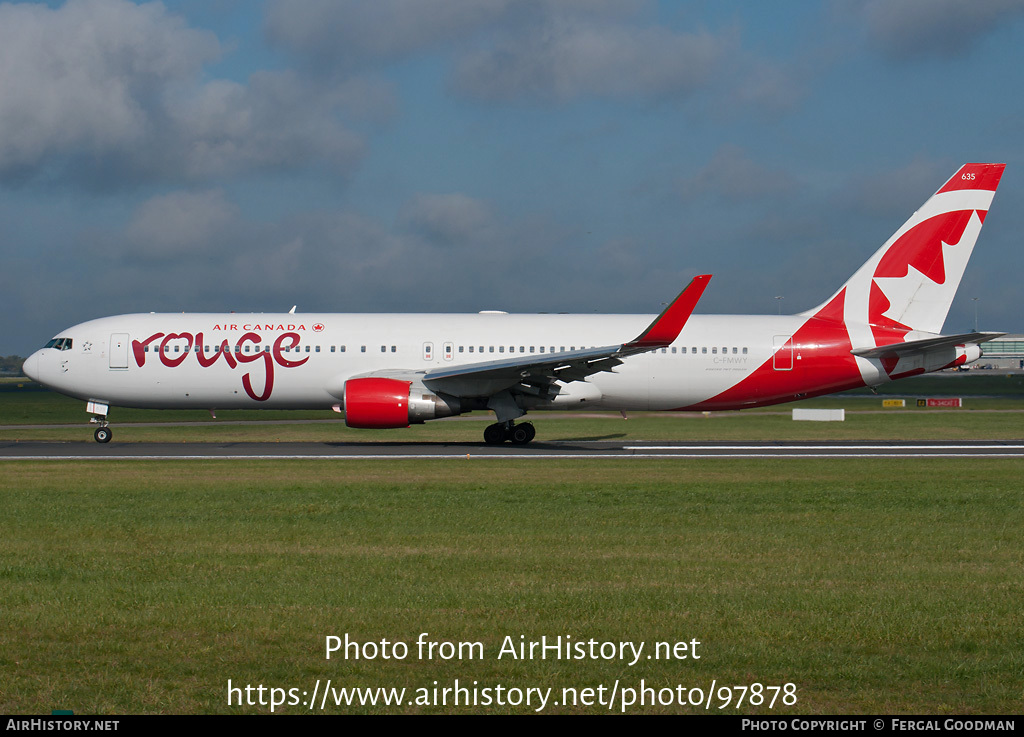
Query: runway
point(580, 449)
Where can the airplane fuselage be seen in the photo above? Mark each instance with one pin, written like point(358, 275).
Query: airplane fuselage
point(279, 361)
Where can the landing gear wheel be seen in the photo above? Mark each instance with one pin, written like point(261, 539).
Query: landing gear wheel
point(103, 434)
point(495, 434)
point(522, 434)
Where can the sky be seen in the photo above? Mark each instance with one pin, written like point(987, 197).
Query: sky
point(520, 155)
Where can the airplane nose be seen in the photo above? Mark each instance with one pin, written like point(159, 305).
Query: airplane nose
point(31, 366)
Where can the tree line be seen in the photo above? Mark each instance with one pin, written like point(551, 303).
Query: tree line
point(11, 365)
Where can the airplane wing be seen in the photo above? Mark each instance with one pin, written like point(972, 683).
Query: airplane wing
point(537, 373)
point(900, 350)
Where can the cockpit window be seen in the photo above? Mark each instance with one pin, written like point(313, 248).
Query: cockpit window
point(51, 344)
point(61, 344)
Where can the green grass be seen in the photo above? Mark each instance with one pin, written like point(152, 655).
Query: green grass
point(876, 586)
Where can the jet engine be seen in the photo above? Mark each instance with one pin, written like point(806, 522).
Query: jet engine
point(376, 402)
point(967, 354)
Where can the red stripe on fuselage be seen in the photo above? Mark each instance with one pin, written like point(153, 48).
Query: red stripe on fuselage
point(823, 364)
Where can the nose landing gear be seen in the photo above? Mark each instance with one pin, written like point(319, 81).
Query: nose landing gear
point(99, 410)
point(499, 432)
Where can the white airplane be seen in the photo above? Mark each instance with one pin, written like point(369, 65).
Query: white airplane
point(392, 370)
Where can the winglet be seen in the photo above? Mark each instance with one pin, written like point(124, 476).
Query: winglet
point(667, 326)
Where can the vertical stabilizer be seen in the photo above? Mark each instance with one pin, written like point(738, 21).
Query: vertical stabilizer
point(909, 283)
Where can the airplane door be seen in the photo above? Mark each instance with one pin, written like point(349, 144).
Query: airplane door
point(449, 351)
point(782, 353)
point(119, 351)
point(428, 351)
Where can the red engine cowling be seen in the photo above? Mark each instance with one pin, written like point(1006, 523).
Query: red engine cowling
point(377, 403)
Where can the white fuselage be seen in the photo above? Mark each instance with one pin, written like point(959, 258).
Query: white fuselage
point(223, 361)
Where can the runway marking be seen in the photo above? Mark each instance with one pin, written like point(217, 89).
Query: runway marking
point(827, 447)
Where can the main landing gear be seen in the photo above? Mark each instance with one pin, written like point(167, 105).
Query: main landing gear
point(103, 434)
point(499, 432)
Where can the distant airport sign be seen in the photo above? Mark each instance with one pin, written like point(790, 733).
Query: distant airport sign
point(940, 402)
point(894, 402)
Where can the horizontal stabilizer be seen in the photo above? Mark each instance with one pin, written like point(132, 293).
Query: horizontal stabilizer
point(921, 346)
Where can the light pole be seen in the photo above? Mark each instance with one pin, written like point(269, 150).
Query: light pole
point(975, 300)
point(778, 301)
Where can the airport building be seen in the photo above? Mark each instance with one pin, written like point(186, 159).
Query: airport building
point(1002, 353)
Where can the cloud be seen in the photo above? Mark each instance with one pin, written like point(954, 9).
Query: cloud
point(568, 59)
point(179, 224)
point(82, 76)
point(896, 192)
point(538, 51)
point(107, 92)
point(278, 121)
point(447, 218)
point(346, 34)
point(732, 175)
point(905, 30)
point(341, 35)
point(446, 252)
